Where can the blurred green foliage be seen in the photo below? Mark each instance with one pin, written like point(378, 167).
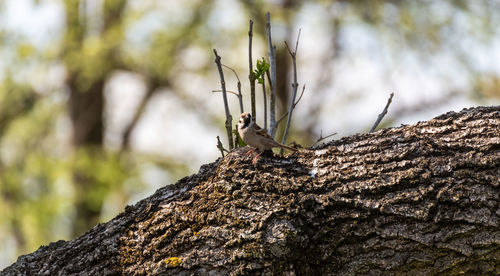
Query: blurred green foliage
point(52, 186)
point(37, 171)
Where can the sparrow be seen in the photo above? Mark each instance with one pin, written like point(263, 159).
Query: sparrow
point(256, 137)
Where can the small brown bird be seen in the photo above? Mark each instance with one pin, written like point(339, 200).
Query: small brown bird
point(256, 137)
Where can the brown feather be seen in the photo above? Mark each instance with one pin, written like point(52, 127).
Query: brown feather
point(262, 132)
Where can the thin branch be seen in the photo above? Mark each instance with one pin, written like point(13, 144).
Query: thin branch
point(265, 101)
point(286, 113)
point(269, 78)
point(272, 60)
point(321, 138)
point(240, 96)
point(237, 138)
point(251, 75)
point(294, 87)
point(221, 147)
point(297, 42)
point(137, 115)
point(152, 87)
point(228, 91)
point(229, 119)
point(381, 115)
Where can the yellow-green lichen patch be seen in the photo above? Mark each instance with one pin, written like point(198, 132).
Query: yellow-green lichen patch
point(173, 261)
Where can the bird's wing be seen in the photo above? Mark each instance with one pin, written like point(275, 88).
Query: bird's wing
point(270, 141)
point(261, 131)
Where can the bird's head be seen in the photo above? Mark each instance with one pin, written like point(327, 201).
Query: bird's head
point(245, 120)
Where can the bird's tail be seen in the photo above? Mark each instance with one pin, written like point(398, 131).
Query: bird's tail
point(286, 147)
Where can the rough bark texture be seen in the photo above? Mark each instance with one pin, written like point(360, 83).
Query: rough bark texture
point(420, 199)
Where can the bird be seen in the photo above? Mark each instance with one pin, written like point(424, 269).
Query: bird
point(256, 137)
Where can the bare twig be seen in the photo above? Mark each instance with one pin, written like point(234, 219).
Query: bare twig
point(294, 88)
point(286, 113)
point(269, 78)
point(151, 89)
point(251, 75)
point(240, 96)
point(265, 101)
point(381, 115)
point(221, 147)
point(229, 119)
point(297, 42)
point(228, 91)
point(321, 138)
point(272, 60)
point(237, 138)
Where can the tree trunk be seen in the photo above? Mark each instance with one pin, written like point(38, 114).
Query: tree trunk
point(86, 102)
point(420, 199)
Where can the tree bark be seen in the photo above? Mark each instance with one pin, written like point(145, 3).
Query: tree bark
point(420, 199)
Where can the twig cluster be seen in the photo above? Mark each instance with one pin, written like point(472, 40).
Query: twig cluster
point(269, 70)
point(264, 70)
